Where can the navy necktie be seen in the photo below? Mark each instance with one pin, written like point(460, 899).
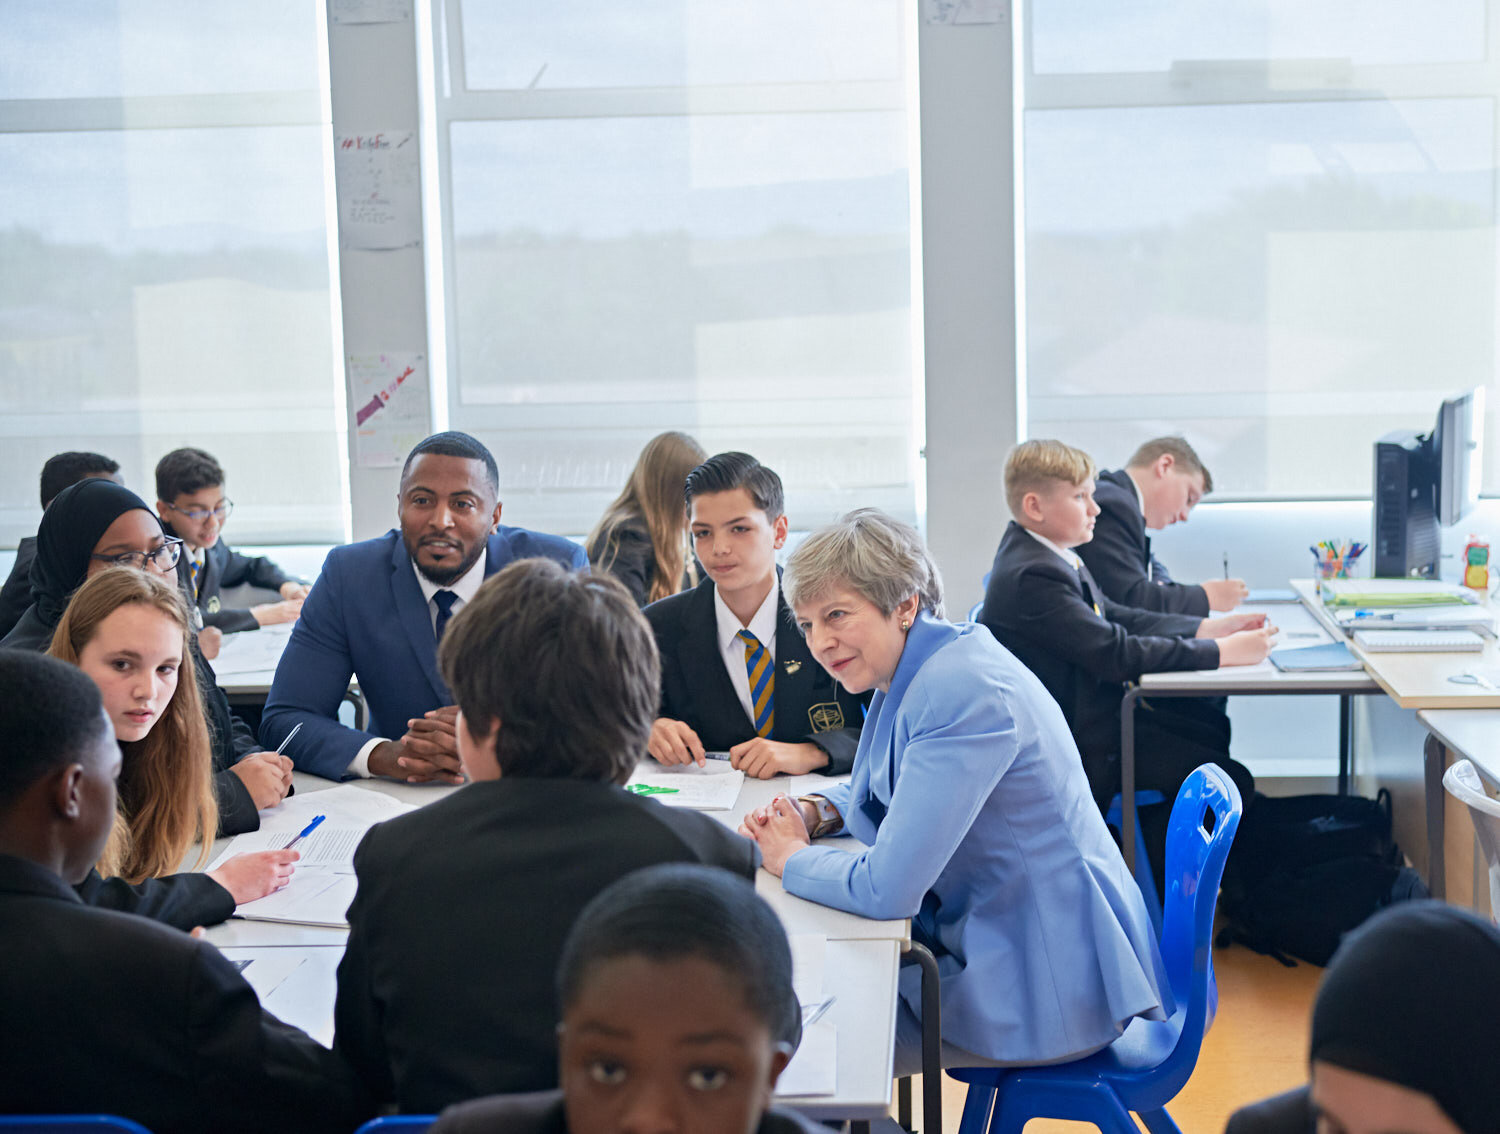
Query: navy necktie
point(445, 601)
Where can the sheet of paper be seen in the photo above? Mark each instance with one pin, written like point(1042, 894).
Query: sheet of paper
point(809, 953)
point(347, 805)
point(314, 896)
point(388, 393)
point(814, 1069)
point(328, 846)
point(252, 651)
point(713, 787)
point(296, 985)
point(379, 204)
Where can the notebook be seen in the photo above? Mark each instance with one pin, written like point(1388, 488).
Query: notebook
point(1418, 641)
point(1315, 659)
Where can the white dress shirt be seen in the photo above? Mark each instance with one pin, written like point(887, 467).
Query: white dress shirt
point(732, 646)
point(465, 587)
point(1069, 556)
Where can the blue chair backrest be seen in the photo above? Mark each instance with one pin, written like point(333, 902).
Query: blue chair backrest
point(1199, 833)
point(407, 1122)
point(69, 1124)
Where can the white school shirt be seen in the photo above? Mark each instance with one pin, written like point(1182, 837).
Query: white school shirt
point(732, 646)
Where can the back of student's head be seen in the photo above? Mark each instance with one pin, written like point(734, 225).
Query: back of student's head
point(564, 662)
point(66, 469)
point(1184, 458)
point(453, 443)
point(50, 714)
point(166, 781)
point(186, 471)
point(724, 472)
point(678, 910)
point(1035, 466)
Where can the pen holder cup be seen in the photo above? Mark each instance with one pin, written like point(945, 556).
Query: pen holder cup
point(1340, 568)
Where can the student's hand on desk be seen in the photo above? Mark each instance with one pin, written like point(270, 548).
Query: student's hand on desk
point(210, 641)
point(763, 758)
point(270, 613)
point(251, 876)
point(291, 590)
point(1246, 647)
point(780, 830)
point(1225, 594)
point(672, 742)
point(267, 776)
point(1231, 624)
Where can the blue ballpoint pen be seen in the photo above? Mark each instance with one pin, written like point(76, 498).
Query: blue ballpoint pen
point(305, 831)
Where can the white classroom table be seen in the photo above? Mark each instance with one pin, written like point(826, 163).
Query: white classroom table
point(860, 969)
point(1452, 735)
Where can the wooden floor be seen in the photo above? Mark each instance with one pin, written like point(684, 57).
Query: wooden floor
point(1257, 1047)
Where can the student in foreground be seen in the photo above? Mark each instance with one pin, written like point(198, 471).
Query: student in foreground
point(642, 538)
point(1158, 487)
point(970, 798)
point(678, 1016)
point(1402, 1032)
point(192, 506)
point(129, 632)
point(58, 473)
point(96, 525)
point(445, 989)
point(378, 611)
point(736, 676)
point(1044, 605)
point(109, 1013)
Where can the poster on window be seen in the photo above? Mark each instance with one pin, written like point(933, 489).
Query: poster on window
point(388, 397)
point(380, 204)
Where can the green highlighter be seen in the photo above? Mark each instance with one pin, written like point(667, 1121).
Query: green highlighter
point(650, 789)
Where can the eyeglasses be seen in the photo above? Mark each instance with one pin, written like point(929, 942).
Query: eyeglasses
point(163, 558)
point(198, 515)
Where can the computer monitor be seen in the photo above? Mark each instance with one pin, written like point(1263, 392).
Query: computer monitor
point(1423, 480)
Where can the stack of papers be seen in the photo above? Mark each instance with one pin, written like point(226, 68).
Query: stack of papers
point(1393, 592)
point(1418, 641)
point(252, 651)
point(713, 787)
point(1453, 617)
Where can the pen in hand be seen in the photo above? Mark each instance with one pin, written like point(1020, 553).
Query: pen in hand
point(281, 748)
point(305, 831)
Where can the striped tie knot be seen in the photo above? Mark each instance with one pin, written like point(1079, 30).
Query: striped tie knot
point(758, 669)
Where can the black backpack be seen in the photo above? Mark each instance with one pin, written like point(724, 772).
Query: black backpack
point(1306, 869)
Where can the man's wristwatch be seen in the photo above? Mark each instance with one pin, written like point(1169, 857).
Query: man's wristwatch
point(830, 822)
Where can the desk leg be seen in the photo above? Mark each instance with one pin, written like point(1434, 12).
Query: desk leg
point(903, 1102)
point(1433, 758)
point(932, 1038)
point(1127, 776)
point(1346, 740)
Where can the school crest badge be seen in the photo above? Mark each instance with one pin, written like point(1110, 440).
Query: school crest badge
point(826, 716)
point(213, 605)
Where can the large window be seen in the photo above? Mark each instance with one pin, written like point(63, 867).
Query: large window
point(1272, 228)
point(167, 272)
point(673, 215)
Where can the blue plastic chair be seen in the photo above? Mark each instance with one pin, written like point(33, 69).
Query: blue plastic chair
point(69, 1124)
point(1143, 876)
point(1146, 1067)
point(411, 1122)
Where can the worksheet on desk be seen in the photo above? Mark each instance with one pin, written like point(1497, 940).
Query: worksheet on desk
point(252, 651)
point(713, 787)
point(1296, 629)
point(348, 812)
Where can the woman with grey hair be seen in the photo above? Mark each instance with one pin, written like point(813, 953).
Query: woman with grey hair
point(970, 796)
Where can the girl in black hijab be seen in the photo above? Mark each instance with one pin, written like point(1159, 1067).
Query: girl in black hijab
point(96, 524)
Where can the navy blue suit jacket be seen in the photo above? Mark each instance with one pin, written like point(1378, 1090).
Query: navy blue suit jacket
point(366, 618)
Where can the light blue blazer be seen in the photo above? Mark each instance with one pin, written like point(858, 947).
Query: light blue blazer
point(970, 793)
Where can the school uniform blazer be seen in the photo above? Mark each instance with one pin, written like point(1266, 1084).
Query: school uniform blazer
point(225, 567)
point(981, 828)
point(811, 707)
point(109, 1013)
point(366, 617)
point(446, 988)
point(183, 901)
point(542, 1113)
point(1042, 610)
point(15, 595)
point(1119, 556)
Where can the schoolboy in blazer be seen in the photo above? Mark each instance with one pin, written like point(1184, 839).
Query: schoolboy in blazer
point(802, 721)
point(192, 506)
point(1044, 605)
point(1157, 488)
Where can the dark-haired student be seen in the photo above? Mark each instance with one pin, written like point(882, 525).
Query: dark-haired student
point(109, 1013)
point(377, 612)
point(445, 990)
point(736, 676)
point(58, 473)
point(677, 1015)
point(192, 506)
point(95, 525)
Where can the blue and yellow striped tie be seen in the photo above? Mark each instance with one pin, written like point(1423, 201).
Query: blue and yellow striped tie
point(758, 667)
point(193, 575)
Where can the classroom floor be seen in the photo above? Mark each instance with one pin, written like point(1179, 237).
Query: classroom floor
point(1257, 1047)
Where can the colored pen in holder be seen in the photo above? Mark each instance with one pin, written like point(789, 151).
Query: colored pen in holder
point(1335, 559)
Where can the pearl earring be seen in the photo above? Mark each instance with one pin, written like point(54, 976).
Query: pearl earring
point(906, 624)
